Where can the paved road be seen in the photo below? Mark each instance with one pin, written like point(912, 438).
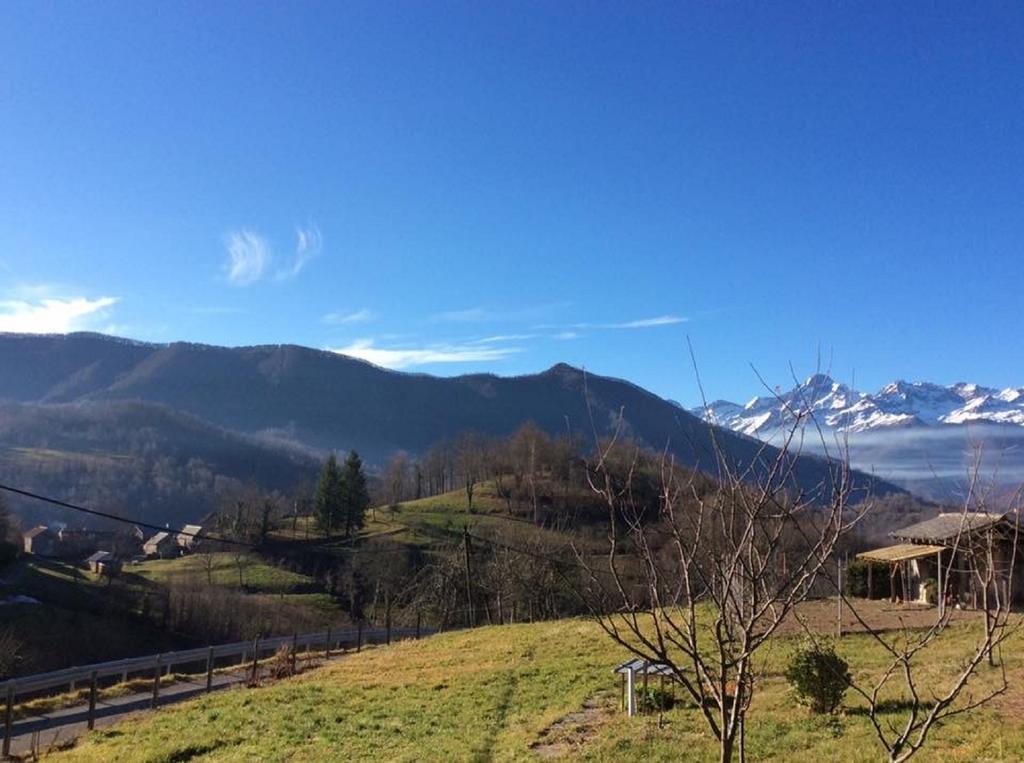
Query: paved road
point(49, 730)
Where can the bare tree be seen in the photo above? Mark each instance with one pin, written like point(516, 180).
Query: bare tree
point(396, 478)
point(470, 460)
point(697, 582)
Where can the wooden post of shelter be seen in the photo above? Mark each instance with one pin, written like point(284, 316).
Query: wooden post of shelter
point(646, 672)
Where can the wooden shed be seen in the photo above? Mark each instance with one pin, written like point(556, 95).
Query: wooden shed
point(960, 544)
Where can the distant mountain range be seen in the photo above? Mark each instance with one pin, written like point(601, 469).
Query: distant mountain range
point(296, 399)
point(897, 405)
point(921, 435)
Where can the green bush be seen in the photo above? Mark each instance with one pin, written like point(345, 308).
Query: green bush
point(653, 700)
point(819, 676)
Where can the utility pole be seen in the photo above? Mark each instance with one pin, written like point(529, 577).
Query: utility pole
point(469, 577)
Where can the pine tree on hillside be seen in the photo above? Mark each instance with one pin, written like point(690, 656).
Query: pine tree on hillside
point(355, 495)
point(328, 503)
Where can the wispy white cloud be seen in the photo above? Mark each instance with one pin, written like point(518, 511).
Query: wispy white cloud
point(347, 319)
point(309, 242)
point(646, 323)
point(642, 323)
point(53, 315)
point(492, 315)
point(497, 338)
point(406, 357)
point(565, 335)
point(248, 257)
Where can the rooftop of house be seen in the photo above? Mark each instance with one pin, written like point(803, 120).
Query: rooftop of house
point(947, 526)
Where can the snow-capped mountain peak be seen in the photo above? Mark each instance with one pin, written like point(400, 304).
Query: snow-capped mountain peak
point(896, 405)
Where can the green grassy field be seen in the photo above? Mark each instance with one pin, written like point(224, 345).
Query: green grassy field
point(226, 569)
point(499, 692)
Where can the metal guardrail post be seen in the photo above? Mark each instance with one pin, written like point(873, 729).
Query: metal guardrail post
point(8, 719)
point(209, 669)
point(157, 671)
point(92, 701)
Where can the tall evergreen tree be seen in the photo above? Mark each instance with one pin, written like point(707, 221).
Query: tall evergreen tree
point(329, 501)
point(355, 494)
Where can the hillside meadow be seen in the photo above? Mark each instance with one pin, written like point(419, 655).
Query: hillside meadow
point(532, 691)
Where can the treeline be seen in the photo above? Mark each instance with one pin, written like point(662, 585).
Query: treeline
point(529, 470)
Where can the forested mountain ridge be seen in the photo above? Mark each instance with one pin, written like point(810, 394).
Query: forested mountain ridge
point(325, 401)
point(140, 460)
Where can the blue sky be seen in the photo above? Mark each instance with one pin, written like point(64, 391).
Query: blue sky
point(501, 186)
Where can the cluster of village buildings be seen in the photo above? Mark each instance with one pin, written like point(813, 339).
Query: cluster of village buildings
point(105, 551)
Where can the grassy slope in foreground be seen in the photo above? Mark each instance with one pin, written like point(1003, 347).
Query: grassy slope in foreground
point(491, 693)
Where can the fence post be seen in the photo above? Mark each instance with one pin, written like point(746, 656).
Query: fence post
point(327, 649)
point(8, 719)
point(157, 670)
point(359, 636)
point(255, 657)
point(417, 626)
point(209, 669)
point(92, 701)
point(387, 625)
point(295, 649)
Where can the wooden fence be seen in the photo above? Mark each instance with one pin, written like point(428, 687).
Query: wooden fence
point(207, 659)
